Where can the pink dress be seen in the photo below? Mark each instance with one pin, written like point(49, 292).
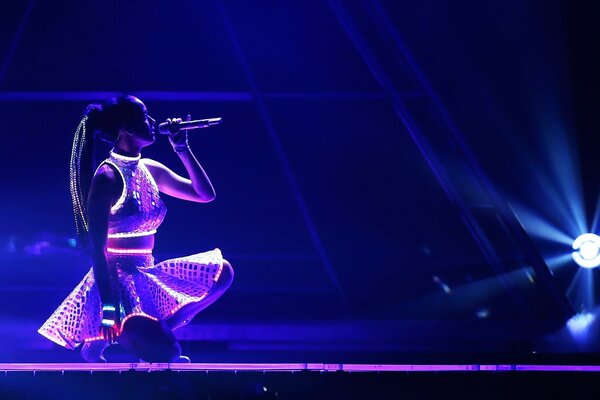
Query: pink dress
point(157, 291)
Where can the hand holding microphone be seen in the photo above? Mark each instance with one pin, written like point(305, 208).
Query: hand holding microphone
point(166, 128)
point(177, 136)
point(177, 130)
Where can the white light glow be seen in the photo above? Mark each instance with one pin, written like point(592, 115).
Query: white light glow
point(587, 250)
point(580, 323)
point(125, 158)
point(131, 234)
point(128, 251)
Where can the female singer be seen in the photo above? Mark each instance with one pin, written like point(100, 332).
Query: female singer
point(126, 297)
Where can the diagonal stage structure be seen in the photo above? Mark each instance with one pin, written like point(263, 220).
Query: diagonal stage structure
point(489, 218)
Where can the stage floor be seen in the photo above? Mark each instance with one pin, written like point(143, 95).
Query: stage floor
point(292, 367)
point(297, 381)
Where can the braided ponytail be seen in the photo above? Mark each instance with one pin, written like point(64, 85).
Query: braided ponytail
point(102, 122)
point(81, 168)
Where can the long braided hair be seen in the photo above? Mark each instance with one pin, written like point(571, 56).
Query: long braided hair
point(100, 121)
point(82, 152)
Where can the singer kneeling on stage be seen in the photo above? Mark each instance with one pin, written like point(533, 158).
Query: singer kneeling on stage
point(126, 298)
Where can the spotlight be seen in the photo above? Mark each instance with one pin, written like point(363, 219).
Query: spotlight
point(579, 324)
point(587, 250)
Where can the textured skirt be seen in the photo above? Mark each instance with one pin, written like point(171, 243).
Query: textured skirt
point(154, 291)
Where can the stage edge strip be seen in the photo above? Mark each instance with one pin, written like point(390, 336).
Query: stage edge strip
point(292, 367)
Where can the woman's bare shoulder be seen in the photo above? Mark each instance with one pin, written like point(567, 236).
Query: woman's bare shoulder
point(104, 174)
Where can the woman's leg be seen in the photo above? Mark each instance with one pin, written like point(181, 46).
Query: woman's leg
point(150, 340)
point(188, 311)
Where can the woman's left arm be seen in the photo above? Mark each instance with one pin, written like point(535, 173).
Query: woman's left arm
point(198, 188)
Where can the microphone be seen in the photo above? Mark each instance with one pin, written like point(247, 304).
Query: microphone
point(164, 127)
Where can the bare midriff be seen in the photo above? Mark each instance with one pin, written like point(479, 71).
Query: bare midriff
point(139, 243)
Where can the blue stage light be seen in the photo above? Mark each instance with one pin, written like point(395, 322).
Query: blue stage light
point(587, 250)
point(579, 324)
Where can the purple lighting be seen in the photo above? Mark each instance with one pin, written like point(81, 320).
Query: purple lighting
point(291, 367)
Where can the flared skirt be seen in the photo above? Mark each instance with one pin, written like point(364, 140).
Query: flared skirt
point(157, 291)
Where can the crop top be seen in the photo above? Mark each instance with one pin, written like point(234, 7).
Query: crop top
point(139, 211)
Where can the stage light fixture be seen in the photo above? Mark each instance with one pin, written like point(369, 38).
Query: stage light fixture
point(587, 250)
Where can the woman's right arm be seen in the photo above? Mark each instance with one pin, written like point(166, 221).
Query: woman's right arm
point(100, 199)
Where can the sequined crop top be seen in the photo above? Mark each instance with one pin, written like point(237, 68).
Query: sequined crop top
point(139, 211)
